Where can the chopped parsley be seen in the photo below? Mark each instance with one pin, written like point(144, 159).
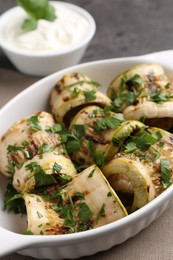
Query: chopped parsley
point(79, 130)
point(101, 213)
point(14, 148)
point(39, 214)
point(81, 82)
point(143, 140)
point(56, 168)
point(64, 178)
point(91, 173)
point(90, 95)
point(13, 200)
point(41, 178)
point(44, 148)
point(165, 167)
point(56, 128)
point(128, 93)
point(34, 123)
point(112, 122)
point(27, 232)
point(85, 216)
point(67, 213)
point(97, 156)
point(75, 92)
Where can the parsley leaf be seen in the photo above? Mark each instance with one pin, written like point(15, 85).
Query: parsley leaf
point(129, 92)
point(33, 122)
point(85, 216)
point(158, 97)
point(64, 178)
point(27, 232)
point(41, 178)
point(109, 123)
point(90, 95)
point(97, 156)
point(165, 166)
point(79, 130)
point(44, 148)
point(72, 145)
point(56, 168)
point(13, 200)
point(101, 213)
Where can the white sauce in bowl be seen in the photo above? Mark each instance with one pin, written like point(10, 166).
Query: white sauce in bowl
point(68, 30)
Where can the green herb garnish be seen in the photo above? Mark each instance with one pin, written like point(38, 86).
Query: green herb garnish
point(44, 148)
point(79, 130)
point(101, 213)
point(13, 200)
point(41, 178)
point(165, 167)
point(27, 232)
point(129, 92)
point(64, 178)
point(97, 156)
point(56, 168)
point(112, 122)
point(34, 123)
point(39, 214)
point(36, 9)
point(91, 173)
point(85, 216)
point(90, 95)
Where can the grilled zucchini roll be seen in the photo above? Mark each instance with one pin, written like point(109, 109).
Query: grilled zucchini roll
point(41, 218)
point(98, 195)
point(22, 141)
point(33, 155)
point(44, 169)
point(95, 128)
point(143, 188)
point(87, 202)
point(144, 92)
point(73, 92)
point(145, 160)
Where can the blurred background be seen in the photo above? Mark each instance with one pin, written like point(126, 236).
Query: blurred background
point(124, 28)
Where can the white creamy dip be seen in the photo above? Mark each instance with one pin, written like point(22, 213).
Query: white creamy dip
point(69, 29)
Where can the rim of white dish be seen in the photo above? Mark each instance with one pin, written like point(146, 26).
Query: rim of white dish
point(6, 45)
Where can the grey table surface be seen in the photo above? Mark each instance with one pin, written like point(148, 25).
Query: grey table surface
point(124, 28)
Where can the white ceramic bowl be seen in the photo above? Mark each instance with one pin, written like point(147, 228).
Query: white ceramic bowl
point(45, 63)
point(35, 98)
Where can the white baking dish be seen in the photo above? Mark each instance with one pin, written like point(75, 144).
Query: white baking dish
point(35, 98)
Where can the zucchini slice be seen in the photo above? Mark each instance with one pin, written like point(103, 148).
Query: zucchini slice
point(139, 178)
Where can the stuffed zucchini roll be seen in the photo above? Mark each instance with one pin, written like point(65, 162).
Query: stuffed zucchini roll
point(73, 92)
point(86, 202)
point(52, 167)
point(144, 92)
point(22, 141)
point(143, 166)
point(41, 218)
point(95, 128)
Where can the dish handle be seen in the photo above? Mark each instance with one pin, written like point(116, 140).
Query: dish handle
point(11, 242)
